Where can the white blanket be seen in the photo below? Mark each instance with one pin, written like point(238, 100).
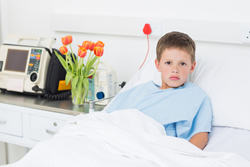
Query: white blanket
point(123, 138)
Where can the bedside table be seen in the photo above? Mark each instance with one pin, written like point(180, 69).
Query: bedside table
point(26, 120)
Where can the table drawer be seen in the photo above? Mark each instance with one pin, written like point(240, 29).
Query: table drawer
point(11, 122)
point(42, 128)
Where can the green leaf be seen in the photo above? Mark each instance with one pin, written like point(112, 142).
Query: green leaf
point(61, 59)
point(92, 68)
point(74, 82)
point(82, 66)
point(84, 70)
point(69, 69)
point(89, 66)
point(72, 60)
point(75, 65)
point(86, 86)
point(80, 87)
point(92, 62)
point(71, 63)
point(68, 77)
point(80, 69)
point(93, 76)
point(86, 82)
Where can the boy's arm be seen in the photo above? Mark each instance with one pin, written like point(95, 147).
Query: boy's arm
point(199, 140)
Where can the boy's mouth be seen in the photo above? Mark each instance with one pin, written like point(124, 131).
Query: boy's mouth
point(174, 78)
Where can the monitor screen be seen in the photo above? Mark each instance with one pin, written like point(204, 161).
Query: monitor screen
point(16, 60)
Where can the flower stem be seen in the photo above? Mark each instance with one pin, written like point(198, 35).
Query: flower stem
point(95, 68)
point(66, 57)
point(71, 63)
point(88, 59)
point(72, 54)
point(92, 56)
point(81, 62)
point(78, 66)
point(89, 55)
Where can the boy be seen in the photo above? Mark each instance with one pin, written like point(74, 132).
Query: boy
point(181, 107)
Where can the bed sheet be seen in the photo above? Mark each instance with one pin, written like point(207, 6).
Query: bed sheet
point(229, 139)
point(122, 138)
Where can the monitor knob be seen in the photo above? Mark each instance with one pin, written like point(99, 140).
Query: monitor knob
point(33, 77)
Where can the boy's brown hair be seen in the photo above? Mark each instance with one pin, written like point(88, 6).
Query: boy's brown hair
point(176, 40)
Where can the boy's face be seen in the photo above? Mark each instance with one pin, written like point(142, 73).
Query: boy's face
point(175, 66)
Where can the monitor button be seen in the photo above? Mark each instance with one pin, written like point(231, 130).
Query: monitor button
point(100, 95)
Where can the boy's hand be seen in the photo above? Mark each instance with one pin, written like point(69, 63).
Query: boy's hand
point(199, 140)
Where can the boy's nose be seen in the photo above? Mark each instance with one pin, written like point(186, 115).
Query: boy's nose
point(175, 71)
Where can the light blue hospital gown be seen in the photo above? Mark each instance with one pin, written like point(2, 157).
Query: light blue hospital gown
point(183, 111)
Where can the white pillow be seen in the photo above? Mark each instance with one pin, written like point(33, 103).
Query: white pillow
point(226, 81)
point(224, 78)
point(147, 73)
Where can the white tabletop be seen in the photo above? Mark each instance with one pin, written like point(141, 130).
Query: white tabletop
point(61, 106)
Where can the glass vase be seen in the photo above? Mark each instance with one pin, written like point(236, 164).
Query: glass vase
point(78, 94)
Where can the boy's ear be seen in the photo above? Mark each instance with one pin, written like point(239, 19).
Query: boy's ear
point(192, 67)
point(157, 65)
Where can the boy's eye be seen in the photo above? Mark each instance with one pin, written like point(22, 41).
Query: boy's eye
point(183, 64)
point(168, 62)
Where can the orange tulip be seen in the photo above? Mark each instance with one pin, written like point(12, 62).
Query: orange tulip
point(98, 51)
point(67, 40)
point(99, 43)
point(63, 50)
point(91, 46)
point(82, 52)
point(86, 45)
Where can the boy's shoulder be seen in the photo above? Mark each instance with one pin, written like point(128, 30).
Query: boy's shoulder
point(196, 89)
point(148, 83)
point(141, 86)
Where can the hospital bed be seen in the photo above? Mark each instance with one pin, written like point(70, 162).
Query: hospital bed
point(215, 74)
point(231, 110)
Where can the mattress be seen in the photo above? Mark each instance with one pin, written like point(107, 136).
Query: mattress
point(228, 139)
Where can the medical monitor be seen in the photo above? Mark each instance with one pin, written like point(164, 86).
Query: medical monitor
point(16, 60)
